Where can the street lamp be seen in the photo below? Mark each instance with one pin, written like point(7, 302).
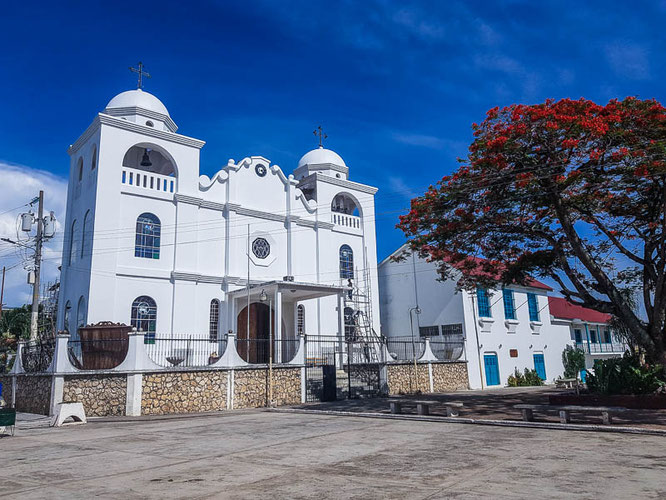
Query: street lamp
point(263, 297)
point(417, 310)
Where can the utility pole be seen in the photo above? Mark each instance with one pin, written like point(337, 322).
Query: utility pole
point(2, 290)
point(34, 316)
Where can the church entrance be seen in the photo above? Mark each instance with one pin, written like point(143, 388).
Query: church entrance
point(253, 342)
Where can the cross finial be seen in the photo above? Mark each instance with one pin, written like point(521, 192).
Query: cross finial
point(141, 73)
point(320, 133)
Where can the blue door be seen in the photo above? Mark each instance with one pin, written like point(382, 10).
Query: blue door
point(540, 366)
point(492, 369)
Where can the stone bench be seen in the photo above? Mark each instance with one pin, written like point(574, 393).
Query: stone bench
point(423, 407)
point(565, 411)
point(66, 410)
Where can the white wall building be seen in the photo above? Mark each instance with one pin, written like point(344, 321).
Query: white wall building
point(151, 242)
point(502, 329)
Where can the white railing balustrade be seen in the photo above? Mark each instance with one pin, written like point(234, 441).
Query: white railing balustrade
point(148, 180)
point(351, 221)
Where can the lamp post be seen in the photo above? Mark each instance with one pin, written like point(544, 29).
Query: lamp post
point(417, 310)
point(263, 297)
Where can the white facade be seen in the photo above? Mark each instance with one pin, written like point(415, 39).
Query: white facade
point(412, 283)
point(130, 161)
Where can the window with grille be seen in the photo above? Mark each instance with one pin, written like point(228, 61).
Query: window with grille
point(484, 302)
point(300, 319)
point(346, 262)
point(144, 317)
point(148, 230)
point(350, 323)
point(453, 329)
point(509, 304)
point(578, 336)
point(607, 337)
point(428, 331)
point(533, 306)
point(261, 248)
point(214, 320)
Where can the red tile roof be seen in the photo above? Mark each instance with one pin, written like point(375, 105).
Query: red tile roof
point(531, 282)
point(563, 309)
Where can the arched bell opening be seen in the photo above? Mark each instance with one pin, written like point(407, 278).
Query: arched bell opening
point(150, 159)
point(343, 203)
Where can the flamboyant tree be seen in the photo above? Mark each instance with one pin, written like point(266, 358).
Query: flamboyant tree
point(567, 189)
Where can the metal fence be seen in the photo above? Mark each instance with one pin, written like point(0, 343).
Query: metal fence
point(37, 356)
point(258, 351)
point(403, 349)
point(99, 354)
point(185, 350)
point(447, 350)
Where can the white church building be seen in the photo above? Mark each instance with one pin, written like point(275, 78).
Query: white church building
point(152, 243)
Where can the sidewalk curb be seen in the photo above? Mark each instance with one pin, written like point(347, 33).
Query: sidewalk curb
point(498, 423)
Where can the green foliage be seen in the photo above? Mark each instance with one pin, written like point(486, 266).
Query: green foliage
point(526, 379)
point(625, 375)
point(16, 322)
point(573, 360)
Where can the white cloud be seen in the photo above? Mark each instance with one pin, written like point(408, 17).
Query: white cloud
point(426, 141)
point(628, 59)
point(20, 184)
point(397, 185)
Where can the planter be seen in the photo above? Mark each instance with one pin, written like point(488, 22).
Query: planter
point(636, 402)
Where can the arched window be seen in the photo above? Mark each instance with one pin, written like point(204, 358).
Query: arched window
point(80, 169)
point(68, 312)
point(73, 244)
point(86, 242)
point(144, 317)
point(344, 204)
point(81, 315)
point(346, 262)
point(214, 322)
point(147, 243)
point(300, 319)
point(93, 160)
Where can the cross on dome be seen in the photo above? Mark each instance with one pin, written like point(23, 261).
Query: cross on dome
point(141, 73)
point(320, 132)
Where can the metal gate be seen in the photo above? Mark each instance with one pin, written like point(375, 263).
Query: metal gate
point(341, 369)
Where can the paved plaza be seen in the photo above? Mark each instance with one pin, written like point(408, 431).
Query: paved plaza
point(263, 454)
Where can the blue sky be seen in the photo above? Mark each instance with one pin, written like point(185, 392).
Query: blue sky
point(396, 85)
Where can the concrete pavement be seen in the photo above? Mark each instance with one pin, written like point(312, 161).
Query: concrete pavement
point(255, 454)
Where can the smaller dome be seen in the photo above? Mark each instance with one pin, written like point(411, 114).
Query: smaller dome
point(321, 156)
point(139, 99)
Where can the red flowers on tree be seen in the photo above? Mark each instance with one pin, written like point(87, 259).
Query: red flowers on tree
point(567, 189)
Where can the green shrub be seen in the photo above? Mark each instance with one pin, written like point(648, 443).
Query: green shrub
point(625, 375)
point(526, 379)
point(573, 360)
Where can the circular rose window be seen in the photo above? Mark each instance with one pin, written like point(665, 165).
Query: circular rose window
point(261, 248)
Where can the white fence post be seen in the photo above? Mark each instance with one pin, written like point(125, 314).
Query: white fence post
point(427, 352)
point(230, 358)
point(299, 358)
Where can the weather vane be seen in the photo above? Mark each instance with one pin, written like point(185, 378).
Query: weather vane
point(320, 133)
point(141, 73)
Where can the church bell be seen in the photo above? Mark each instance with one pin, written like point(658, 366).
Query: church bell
point(145, 161)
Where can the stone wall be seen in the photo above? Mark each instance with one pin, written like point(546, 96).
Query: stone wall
point(101, 395)
point(33, 393)
point(251, 387)
point(449, 377)
point(6, 389)
point(183, 392)
point(401, 379)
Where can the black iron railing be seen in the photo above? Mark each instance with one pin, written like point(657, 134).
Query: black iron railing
point(403, 349)
point(185, 350)
point(36, 356)
point(258, 351)
point(447, 350)
point(98, 354)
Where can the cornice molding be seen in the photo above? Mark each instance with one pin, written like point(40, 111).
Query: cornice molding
point(134, 110)
point(112, 121)
point(327, 179)
point(83, 138)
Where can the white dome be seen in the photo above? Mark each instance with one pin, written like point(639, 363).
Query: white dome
point(139, 99)
point(321, 156)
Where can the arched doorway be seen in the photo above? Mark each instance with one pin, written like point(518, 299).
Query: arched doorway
point(256, 348)
point(253, 344)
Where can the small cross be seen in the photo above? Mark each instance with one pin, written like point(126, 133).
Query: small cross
point(320, 132)
point(141, 73)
